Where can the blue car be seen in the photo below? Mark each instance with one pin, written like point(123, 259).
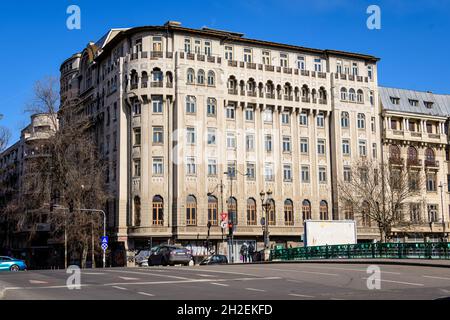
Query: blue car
point(12, 264)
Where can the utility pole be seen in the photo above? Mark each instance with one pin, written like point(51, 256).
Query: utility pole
point(442, 211)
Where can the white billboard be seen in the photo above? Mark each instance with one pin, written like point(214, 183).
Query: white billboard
point(321, 233)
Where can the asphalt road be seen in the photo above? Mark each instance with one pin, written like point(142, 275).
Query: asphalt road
point(237, 282)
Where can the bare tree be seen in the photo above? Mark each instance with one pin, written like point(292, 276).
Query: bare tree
point(380, 192)
point(4, 136)
point(67, 172)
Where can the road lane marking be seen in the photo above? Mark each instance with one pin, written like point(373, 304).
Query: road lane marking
point(220, 284)
point(128, 279)
point(93, 273)
point(400, 282)
point(216, 271)
point(120, 288)
point(302, 271)
point(146, 294)
point(253, 289)
point(349, 269)
point(148, 273)
point(206, 275)
point(300, 295)
point(439, 278)
point(37, 282)
point(146, 283)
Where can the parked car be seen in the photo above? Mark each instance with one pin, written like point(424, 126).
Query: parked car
point(170, 255)
point(215, 259)
point(141, 258)
point(12, 264)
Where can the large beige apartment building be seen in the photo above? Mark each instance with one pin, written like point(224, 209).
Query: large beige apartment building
point(194, 123)
point(199, 122)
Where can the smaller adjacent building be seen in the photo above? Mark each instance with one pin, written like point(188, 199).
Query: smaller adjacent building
point(415, 137)
point(14, 168)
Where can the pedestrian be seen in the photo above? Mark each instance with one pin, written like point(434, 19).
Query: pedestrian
point(244, 252)
point(251, 252)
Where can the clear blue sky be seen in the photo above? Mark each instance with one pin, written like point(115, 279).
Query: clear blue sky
point(413, 43)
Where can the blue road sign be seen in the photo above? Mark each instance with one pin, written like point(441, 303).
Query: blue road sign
point(105, 239)
point(104, 246)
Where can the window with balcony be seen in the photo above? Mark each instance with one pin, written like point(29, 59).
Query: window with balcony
point(187, 45)
point(248, 56)
point(318, 65)
point(301, 63)
point(266, 58)
point(228, 53)
point(284, 60)
point(208, 50)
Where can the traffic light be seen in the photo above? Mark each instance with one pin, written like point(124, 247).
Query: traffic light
point(230, 228)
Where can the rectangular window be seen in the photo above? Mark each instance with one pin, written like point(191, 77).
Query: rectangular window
point(268, 116)
point(187, 45)
point(303, 119)
point(191, 166)
point(191, 136)
point(301, 63)
point(318, 65)
point(305, 174)
point(321, 146)
point(268, 171)
point(212, 167)
point(373, 125)
point(362, 148)
point(137, 167)
point(322, 175)
point(355, 69)
point(136, 108)
point(374, 150)
point(431, 182)
point(433, 215)
point(137, 136)
point(207, 48)
point(211, 107)
point(346, 147)
point(211, 136)
point(157, 106)
point(230, 112)
point(268, 143)
point(284, 60)
point(231, 140)
point(304, 145)
point(320, 120)
point(347, 174)
point(190, 104)
point(285, 118)
point(228, 53)
point(250, 171)
point(158, 136)
point(370, 72)
point(250, 142)
point(249, 114)
point(287, 144)
point(158, 167)
point(248, 55)
point(266, 58)
point(231, 169)
point(287, 173)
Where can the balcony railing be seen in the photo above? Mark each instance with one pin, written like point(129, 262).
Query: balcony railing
point(322, 101)
point(414, 162)
point(434, 136)
point(306, 99)
point(232, 63)
point(287, 70)
point(270, 95)
point(396, 161)
point(431, 163)
point(251, 93)
point(251, 65)
point(232, 91)
point(156, 84)
point(322, 75)
point(156, 54)
point(269, 68)
point(200, 57)
point(288, 98)
point(134, 86)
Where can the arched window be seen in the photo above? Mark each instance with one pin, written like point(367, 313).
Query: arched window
point(212, 211)
point(251, 212)
point(288, 213)
point(272, 214)
point(211, 78)
point(158, 211)
point(343, 94)
point(201, 77)
point(345, 119)
point(322, 95)
point(137, 211)
point(191, 211)
point(361, 121)
point(144, 80)
point(190, 76)
point(134, 79)
point(306, 210)
point(169, 79)
point(323, 210)
point(232, 211)
point(429, 155)
point(351, 94)
point(157, 75)
point(412, 155)
point(394, 152)
point(360, 96)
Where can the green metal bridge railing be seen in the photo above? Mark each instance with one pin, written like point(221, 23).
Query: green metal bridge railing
point(428, 250)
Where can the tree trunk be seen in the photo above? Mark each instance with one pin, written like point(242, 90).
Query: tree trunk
point(84, 254)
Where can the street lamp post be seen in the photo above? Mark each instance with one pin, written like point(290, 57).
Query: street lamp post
point(232, 174)
point(266, 202)
point(442, 210)
point(221, 204)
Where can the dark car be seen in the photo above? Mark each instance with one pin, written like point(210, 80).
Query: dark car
point(215, 259)
point(170, 255)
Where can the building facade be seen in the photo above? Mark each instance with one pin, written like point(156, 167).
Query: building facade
point(198, 122)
